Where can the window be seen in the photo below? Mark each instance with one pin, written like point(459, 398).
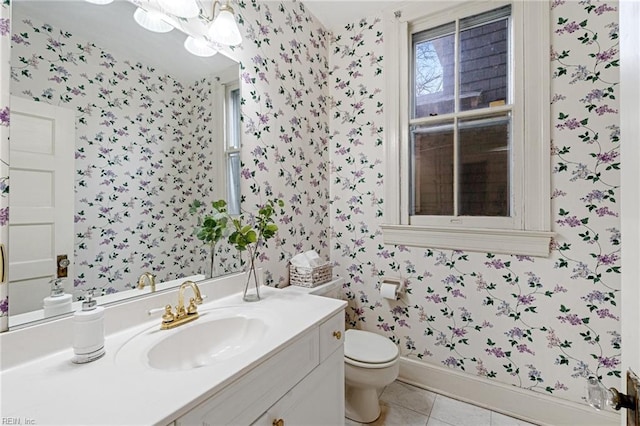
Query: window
point(457, 137)
point(461, 119)
point(232, 149)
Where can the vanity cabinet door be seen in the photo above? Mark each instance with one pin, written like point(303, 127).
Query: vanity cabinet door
point(331, 335)
point(242, 401)
point(317, 400)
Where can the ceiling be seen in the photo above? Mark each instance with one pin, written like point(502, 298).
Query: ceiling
point(112, 28)
point(336, 14)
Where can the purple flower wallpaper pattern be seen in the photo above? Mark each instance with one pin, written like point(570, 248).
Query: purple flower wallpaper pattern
point(285, 141)
point(543, 324)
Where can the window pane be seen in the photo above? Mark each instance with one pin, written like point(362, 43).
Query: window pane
point(434, 81)
point(484, 170)
point(233, 140)
point(432, 154)
point(233, 183)
point(484, 65)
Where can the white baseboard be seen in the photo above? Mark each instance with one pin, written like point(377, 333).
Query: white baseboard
point(524, 404)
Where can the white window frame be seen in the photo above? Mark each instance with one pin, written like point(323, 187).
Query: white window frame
point(528, 231)
point(224, 84)
point(228, 149)
point(219, 123)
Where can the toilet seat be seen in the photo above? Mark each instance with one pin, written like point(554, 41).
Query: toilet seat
point(371, 366)
point(369, 350)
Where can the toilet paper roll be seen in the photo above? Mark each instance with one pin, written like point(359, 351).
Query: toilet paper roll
point(389, 291)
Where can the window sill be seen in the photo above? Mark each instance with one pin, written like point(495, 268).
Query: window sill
point(516, 242)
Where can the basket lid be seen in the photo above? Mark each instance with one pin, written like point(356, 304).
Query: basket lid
point(368, 347)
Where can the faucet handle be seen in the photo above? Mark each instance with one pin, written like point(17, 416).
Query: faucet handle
point(192, 309)
point(168, 316)
point(155, 311)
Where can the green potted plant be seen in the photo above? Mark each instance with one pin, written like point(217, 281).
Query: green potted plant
point(211, 227)
point(251, 236)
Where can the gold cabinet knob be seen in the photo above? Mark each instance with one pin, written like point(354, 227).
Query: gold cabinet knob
point(278, 422)
point(337, 335)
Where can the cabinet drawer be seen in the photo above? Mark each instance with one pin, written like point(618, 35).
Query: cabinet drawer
point(331, 335)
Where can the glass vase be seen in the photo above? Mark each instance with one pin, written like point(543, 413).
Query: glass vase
point(212, 259)
point(252, 287)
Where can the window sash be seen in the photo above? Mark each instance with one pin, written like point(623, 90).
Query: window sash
point(232, 148)
point(456, 117)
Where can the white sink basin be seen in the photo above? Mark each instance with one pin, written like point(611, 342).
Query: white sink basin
point(214, 338)
point(205, 343)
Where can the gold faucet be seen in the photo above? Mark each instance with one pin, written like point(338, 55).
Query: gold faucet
point(150, 277)
point(183, 315)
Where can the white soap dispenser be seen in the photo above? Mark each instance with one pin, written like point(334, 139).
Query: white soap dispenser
point(58, 302)
point(88, 332)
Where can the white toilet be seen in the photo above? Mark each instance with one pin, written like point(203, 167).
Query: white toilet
point(371, 362)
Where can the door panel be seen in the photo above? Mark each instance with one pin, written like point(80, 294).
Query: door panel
point(41, 200)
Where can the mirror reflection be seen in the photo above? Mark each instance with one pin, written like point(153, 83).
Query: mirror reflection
point(115, 132)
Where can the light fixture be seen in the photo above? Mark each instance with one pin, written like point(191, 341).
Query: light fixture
point(100, 2)
point(199, 47)
point(224, 29)
point(152, 20)
point(180, 8)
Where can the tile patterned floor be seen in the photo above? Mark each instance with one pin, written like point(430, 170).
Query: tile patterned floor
point(406, 405)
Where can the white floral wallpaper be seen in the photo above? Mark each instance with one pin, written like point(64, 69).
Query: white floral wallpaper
point(313, 106)
point(286, 133)
point(543, 324)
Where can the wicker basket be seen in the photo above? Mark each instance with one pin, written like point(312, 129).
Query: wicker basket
point(310, 277)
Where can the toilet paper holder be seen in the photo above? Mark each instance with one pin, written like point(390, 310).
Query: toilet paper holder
point(391, 288)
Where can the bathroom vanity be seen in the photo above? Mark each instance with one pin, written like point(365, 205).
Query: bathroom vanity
point(274, 362)
point(302, 384)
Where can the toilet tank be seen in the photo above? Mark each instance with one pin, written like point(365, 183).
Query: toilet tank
point(332, 289)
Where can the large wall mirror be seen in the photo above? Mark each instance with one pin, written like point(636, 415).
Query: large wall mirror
point(115, 132)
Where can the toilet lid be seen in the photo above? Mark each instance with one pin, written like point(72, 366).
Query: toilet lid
point(368, 347)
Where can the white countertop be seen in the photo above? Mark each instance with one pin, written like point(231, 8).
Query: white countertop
point(51, 390)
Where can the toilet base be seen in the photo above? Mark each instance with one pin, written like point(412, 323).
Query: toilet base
point(361, 404)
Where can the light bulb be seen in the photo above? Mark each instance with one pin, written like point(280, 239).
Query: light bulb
point(152, 21)
point(199, 47)
point(180, 8)
point(224, 29)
